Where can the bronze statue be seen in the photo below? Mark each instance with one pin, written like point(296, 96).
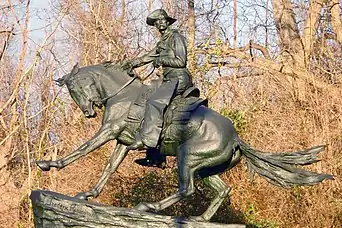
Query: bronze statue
point(204, 142)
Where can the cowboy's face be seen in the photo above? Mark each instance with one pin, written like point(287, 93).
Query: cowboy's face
point(161, 24)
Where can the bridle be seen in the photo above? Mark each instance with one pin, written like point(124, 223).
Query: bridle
point(126, 85)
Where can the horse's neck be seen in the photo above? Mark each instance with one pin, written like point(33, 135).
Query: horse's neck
point(114, 80)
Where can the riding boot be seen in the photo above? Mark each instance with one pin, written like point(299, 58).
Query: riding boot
point(153, 122)
point(153, 156)
point(153, 159)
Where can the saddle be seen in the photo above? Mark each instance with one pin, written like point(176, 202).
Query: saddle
point(179, 110)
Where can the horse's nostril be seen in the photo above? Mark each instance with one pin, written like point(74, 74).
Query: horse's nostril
point(86, 113)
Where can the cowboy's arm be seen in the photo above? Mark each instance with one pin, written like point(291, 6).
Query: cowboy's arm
point(138, 62)
point(180, 58)
point(145, 59)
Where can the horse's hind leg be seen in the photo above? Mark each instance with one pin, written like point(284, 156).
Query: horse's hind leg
point(115, 160)
point(216, 183)
point(186, 188)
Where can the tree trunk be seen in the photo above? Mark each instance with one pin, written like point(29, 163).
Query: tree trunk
point(336, 19)
point(123, 11)
point(191, 39)
point(191, 24)
point(235, 23)
point(149, 7)
point(290, 43)
point(311, 26)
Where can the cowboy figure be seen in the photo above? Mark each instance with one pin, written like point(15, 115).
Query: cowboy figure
point(170, 53)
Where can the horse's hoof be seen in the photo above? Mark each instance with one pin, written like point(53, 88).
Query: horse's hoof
point(142, 207)
point(82, 196)
point(43, 165)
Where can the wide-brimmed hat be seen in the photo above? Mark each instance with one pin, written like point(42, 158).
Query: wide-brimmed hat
point(156, 14)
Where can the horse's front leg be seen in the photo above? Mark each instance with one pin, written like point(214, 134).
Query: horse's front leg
point(115, 160)
point(105, 134)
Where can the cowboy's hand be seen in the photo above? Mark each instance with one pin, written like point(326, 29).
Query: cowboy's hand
point(160, 47)
point(128, 67)
point(157, 62)
point(125, 65)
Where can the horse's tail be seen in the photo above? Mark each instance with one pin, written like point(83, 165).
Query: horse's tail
point(279, 168)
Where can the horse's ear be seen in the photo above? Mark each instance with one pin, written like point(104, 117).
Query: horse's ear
point(61, 81)
point(74, 70)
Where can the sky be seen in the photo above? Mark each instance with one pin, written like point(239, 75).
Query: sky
point(39, 9)
point(38, 21)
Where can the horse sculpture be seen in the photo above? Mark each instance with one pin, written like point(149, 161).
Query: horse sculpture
point(206, 145)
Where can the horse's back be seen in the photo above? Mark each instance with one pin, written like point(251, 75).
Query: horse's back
point(213, 126)
point(206, 130)
point(98, 67)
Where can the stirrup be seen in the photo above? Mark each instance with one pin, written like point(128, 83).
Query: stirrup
point(138, 144)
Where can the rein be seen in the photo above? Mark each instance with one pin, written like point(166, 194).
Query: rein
point(126, 85)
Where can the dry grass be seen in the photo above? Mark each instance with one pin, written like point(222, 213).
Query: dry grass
point(277, 123)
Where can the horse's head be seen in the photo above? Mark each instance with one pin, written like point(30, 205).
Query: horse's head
point(83, 90)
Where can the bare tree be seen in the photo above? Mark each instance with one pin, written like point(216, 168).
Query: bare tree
point(335, 7)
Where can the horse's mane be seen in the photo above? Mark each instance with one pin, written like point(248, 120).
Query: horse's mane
point(113, 71)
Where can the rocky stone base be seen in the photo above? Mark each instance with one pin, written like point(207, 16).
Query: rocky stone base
point(56, 210)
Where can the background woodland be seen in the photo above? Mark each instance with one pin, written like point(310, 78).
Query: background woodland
point(272, 66)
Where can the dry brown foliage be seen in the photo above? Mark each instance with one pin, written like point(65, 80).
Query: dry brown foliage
point(260, 88)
